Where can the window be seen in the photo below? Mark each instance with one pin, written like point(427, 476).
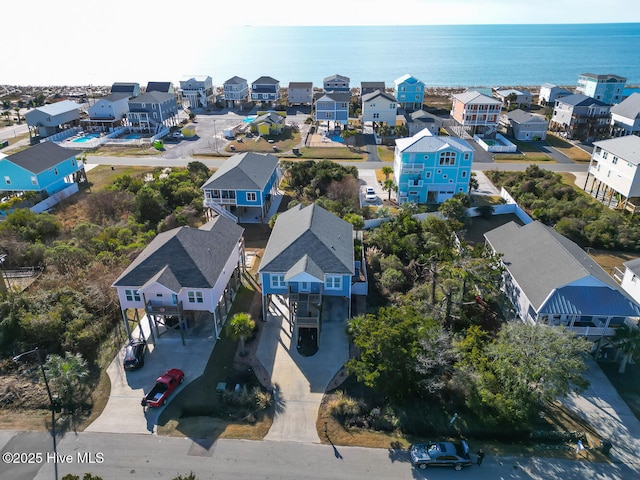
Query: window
point(34, 180)
point(7, 180)
point(376, 115)
point(614, 160)
point(132, 295)
point(328, 115)
point(447, 158)
point(277, 280)
point(55, 171)
point(251, 196)
point(466, 156)
point(427, 174)
point(195, 297)
point(464, 174)
point(605, 155)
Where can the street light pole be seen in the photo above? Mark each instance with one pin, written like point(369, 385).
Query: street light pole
point(51, 404)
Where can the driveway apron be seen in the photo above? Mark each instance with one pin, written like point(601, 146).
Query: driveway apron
point(300, 382)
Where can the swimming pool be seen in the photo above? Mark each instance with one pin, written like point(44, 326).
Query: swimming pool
point(250, 118)
point(336, 138)
point(86, 138)
point(133, 136)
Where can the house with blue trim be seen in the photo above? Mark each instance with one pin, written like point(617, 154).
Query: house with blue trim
point(265, 89)
point(236, 91)
point(244, 187)
point(409, 91)
point(152, 112)
point(309, 257)
point(333, 107)
point(431, 169)
point(46, 167)
point(336, 83)
point(551, 281)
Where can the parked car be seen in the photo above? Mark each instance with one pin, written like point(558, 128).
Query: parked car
point(134, 354)
point(370, 195)
point(440, 454)
point(165, 384)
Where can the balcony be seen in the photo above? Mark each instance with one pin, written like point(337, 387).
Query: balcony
point(158, 308)
point(592, 331)
point(415, 183)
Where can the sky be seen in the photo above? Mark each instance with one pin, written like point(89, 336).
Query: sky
point(44, 40)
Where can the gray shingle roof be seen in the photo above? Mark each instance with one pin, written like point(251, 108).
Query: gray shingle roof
point(336, 77)
point(627, 147)
point(629, 107)
point(265, 81)
point(300, 84)
point(309, 239)
point(339, 97)
point(42, 156)
point(164, 87)
point(520, 116)
point(235, 80)
point(185, 257)
point(377, 93)
point(153, 97)
point(541, 260)
point(244, 171)
point(579, 100)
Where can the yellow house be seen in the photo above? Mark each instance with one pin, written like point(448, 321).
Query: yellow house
point(189, 130)
point(270, 123)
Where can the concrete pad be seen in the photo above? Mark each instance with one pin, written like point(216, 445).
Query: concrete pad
point(485, 186)
point(299, 382)
point(123, 412)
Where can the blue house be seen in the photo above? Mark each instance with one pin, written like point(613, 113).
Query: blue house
point(333, 107)
point(336, 83)
point(243, 188)
point(46, 168)
point(409, 91)
point(430, 169)
point(265, 89)
point(152, 112)
point(309, 256)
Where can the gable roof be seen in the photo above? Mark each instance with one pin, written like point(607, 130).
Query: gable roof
point(300, 84)
point(579, 100)
point(605, 77)
point(114, 97)
point(629, 107)
point(338, 97)
point(269, 117)
point(520, 116)
point(42, 156)
point(236, 80)
point(244, 171)
point(376, 85)
point(164, 87)
point(153, 97)
point(312, 240)
point(377, 93)
point(633, 265)
point(123, 87)
point(626, 147)
point(509, 91)
point(421, 116)
point(336, 77)
point(541, 260)
point(185, 257)
point(424, 141)
point(407, 78)
point(266, 81)
point(57, 108)
point(472, 97)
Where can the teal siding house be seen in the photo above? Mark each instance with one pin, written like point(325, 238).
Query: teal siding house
point(309, 256)
point(409, 91)
point(431, 169)
point(46, 167)
point(244, 187)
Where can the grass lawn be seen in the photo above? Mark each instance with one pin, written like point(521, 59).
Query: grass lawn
point(386, 153)
point(283, 142)
point(527, 153)
point(111, 151)
point(567, 148)
point(103, 175)
point(332, 153)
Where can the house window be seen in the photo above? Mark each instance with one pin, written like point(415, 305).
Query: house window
point(466, 156)
point(7, 180)
point(251, 196)
point(34, 180)
point(376, 115)
point(195, 297)
point(614, 160)
point(132, 295)
point(605, 155)
point(417, 97)
point(333, 282)
point(464, 174)
point(447, 158)
point(277, 281)
point(328, 115)
point(55, 170)
point(427, 174)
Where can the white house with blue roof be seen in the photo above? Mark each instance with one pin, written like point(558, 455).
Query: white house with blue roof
point(309, 256)
point(550, 280)
point(431, 169)
point(244, 187)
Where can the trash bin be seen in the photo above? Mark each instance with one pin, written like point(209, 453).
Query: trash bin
point(605, 446)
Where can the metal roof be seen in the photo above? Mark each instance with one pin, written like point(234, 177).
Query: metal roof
point(626, 147)
point(629, 107)
point(591, 300)
point(425, 141)
point(58, 108)
point(472, 97)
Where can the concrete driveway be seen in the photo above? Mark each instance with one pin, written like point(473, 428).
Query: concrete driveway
point(300, 382)
point(123, 413)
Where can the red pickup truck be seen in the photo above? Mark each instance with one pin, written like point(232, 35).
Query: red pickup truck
point(165, 384)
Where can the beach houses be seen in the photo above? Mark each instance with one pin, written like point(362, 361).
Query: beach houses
point(46, 168)
point(580, 117)
point(368, 87)
point(161, 87)
point(625, 116)
point(53, 118)
point(550, 92)
point(236, 91)
point(379, 107)
point(475, 112)
point(265, 89)
point(198, 91)
point(420, 120)
point(107, 112)
point(613, 171)
point(269, 123)
point(336, 83)
point(184, 274)
point(332, 107)
point(152, 112)
point(523, 125)
point(244, 186)
point(431, 169)
point(629, 278)
point(551, 281)
point(409, 91)
point(130, 88)
point(511, 96)
point(300, 93)
point(309, 257)
point(607, 88)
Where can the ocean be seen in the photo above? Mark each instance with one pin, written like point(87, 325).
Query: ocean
point(469, 55)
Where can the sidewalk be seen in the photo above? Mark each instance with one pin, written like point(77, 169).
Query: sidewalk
point(603, 408)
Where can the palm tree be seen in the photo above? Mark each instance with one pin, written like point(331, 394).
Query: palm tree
point(386, 171)
point(240, 327)
point(389, 185)
point(67, 376)
point(627, 339)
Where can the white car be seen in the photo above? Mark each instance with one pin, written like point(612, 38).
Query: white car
point(370, 195)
